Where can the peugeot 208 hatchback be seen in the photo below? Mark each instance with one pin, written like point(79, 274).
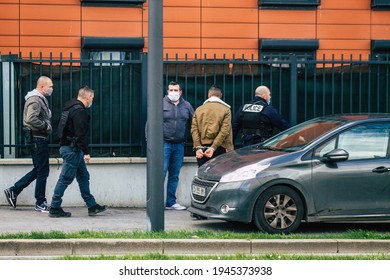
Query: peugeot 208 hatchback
point(332, 168)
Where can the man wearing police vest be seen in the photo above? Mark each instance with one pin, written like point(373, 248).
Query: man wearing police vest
point(258, 119)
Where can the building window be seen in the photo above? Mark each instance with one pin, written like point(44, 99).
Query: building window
point(301, 4)
point(111, 48)
point(380, 4)
point(380, 50)
point(277, 50)
point(112, 2)
point(112, 56)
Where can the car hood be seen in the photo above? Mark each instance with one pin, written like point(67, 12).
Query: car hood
point(226, 163)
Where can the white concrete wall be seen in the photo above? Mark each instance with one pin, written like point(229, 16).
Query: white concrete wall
point(118, 182)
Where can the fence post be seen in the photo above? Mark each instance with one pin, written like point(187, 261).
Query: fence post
point(293, 89)
point(7, 97)
point(144, 95)
point(1, 111)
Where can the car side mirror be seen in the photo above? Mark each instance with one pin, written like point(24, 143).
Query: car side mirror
point(335, 156)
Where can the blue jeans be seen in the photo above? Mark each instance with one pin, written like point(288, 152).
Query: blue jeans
point(173, 160)
point(73, 166)
point(39, 149)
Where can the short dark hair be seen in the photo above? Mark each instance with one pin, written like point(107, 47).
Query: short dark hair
point(215, 91)
point(173, 83)
point(85, 91)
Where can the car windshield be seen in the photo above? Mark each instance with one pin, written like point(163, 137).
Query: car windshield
point(301, 135)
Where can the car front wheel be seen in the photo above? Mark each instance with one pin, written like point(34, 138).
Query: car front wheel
point(278, 210)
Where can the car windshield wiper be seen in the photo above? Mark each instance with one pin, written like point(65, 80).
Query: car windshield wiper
point(270, 148)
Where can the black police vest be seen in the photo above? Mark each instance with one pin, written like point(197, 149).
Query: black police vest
point(251, 122)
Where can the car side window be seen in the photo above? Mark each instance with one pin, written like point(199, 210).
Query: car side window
point(365, 141)
point(361, 142)
point(325, 148)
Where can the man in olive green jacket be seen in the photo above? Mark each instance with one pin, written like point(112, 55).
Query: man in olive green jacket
point(211, 127)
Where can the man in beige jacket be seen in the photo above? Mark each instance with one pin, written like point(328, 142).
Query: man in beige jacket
point(211, 127)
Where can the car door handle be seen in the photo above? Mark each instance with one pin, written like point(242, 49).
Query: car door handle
point(381, 169)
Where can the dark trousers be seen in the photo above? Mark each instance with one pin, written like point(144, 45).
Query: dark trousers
point(204, 159)
point(39, 149)
point(73, 166)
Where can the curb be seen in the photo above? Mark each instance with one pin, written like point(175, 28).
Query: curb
point(88, 247)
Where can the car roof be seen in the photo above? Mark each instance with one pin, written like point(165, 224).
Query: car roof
point(353, 117)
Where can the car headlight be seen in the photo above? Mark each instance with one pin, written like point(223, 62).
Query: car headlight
point(244, 173)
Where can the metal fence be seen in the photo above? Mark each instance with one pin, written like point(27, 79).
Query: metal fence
point(301, 89)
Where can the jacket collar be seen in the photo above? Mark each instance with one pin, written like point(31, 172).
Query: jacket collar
point(216, 99)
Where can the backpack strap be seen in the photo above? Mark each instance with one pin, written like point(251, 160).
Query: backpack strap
point(71, 110)
point(64, 119)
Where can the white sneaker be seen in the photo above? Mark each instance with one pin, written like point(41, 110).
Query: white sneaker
point(176, 206)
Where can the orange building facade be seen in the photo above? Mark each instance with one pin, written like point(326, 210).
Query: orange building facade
point(194, 28)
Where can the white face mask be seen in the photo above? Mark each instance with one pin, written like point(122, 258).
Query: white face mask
point(90, 104)
point(49, 91)
point(173, 95)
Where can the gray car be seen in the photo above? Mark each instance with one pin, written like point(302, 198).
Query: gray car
point(332, 168)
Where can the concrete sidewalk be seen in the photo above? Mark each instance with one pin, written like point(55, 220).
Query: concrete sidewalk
point(25, 219)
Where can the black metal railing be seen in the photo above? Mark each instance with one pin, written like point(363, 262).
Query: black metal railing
point(301, 89)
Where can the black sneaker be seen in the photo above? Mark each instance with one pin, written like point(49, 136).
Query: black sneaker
point(11, 197)
point(92, 211)
point(58, 213)
point(44, 207)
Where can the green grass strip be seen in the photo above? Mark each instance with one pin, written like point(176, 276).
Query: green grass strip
point(202, 234)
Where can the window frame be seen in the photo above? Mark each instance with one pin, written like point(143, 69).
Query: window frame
point(380, 4)
point(380, 50)
point(115, 3)
point(283, 48)
point(111, 44)
point(300, 4)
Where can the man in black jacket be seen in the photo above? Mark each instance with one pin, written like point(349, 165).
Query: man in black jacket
point(75, 153)
point(258, 119)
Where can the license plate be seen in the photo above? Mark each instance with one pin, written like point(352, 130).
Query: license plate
point(198, 190)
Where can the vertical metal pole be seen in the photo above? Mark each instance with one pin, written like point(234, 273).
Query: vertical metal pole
point(144, 101)
point(155, 151)
point(1, 111)
point(293, 89)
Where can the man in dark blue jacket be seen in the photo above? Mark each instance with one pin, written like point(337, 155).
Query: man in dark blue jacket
point(258, 119)
point(177, 113)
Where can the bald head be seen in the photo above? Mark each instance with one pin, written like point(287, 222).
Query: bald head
point(263, 92)
point(43, 81)
point(44, 85)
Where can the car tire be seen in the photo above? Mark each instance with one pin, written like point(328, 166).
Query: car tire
point(278, 210)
